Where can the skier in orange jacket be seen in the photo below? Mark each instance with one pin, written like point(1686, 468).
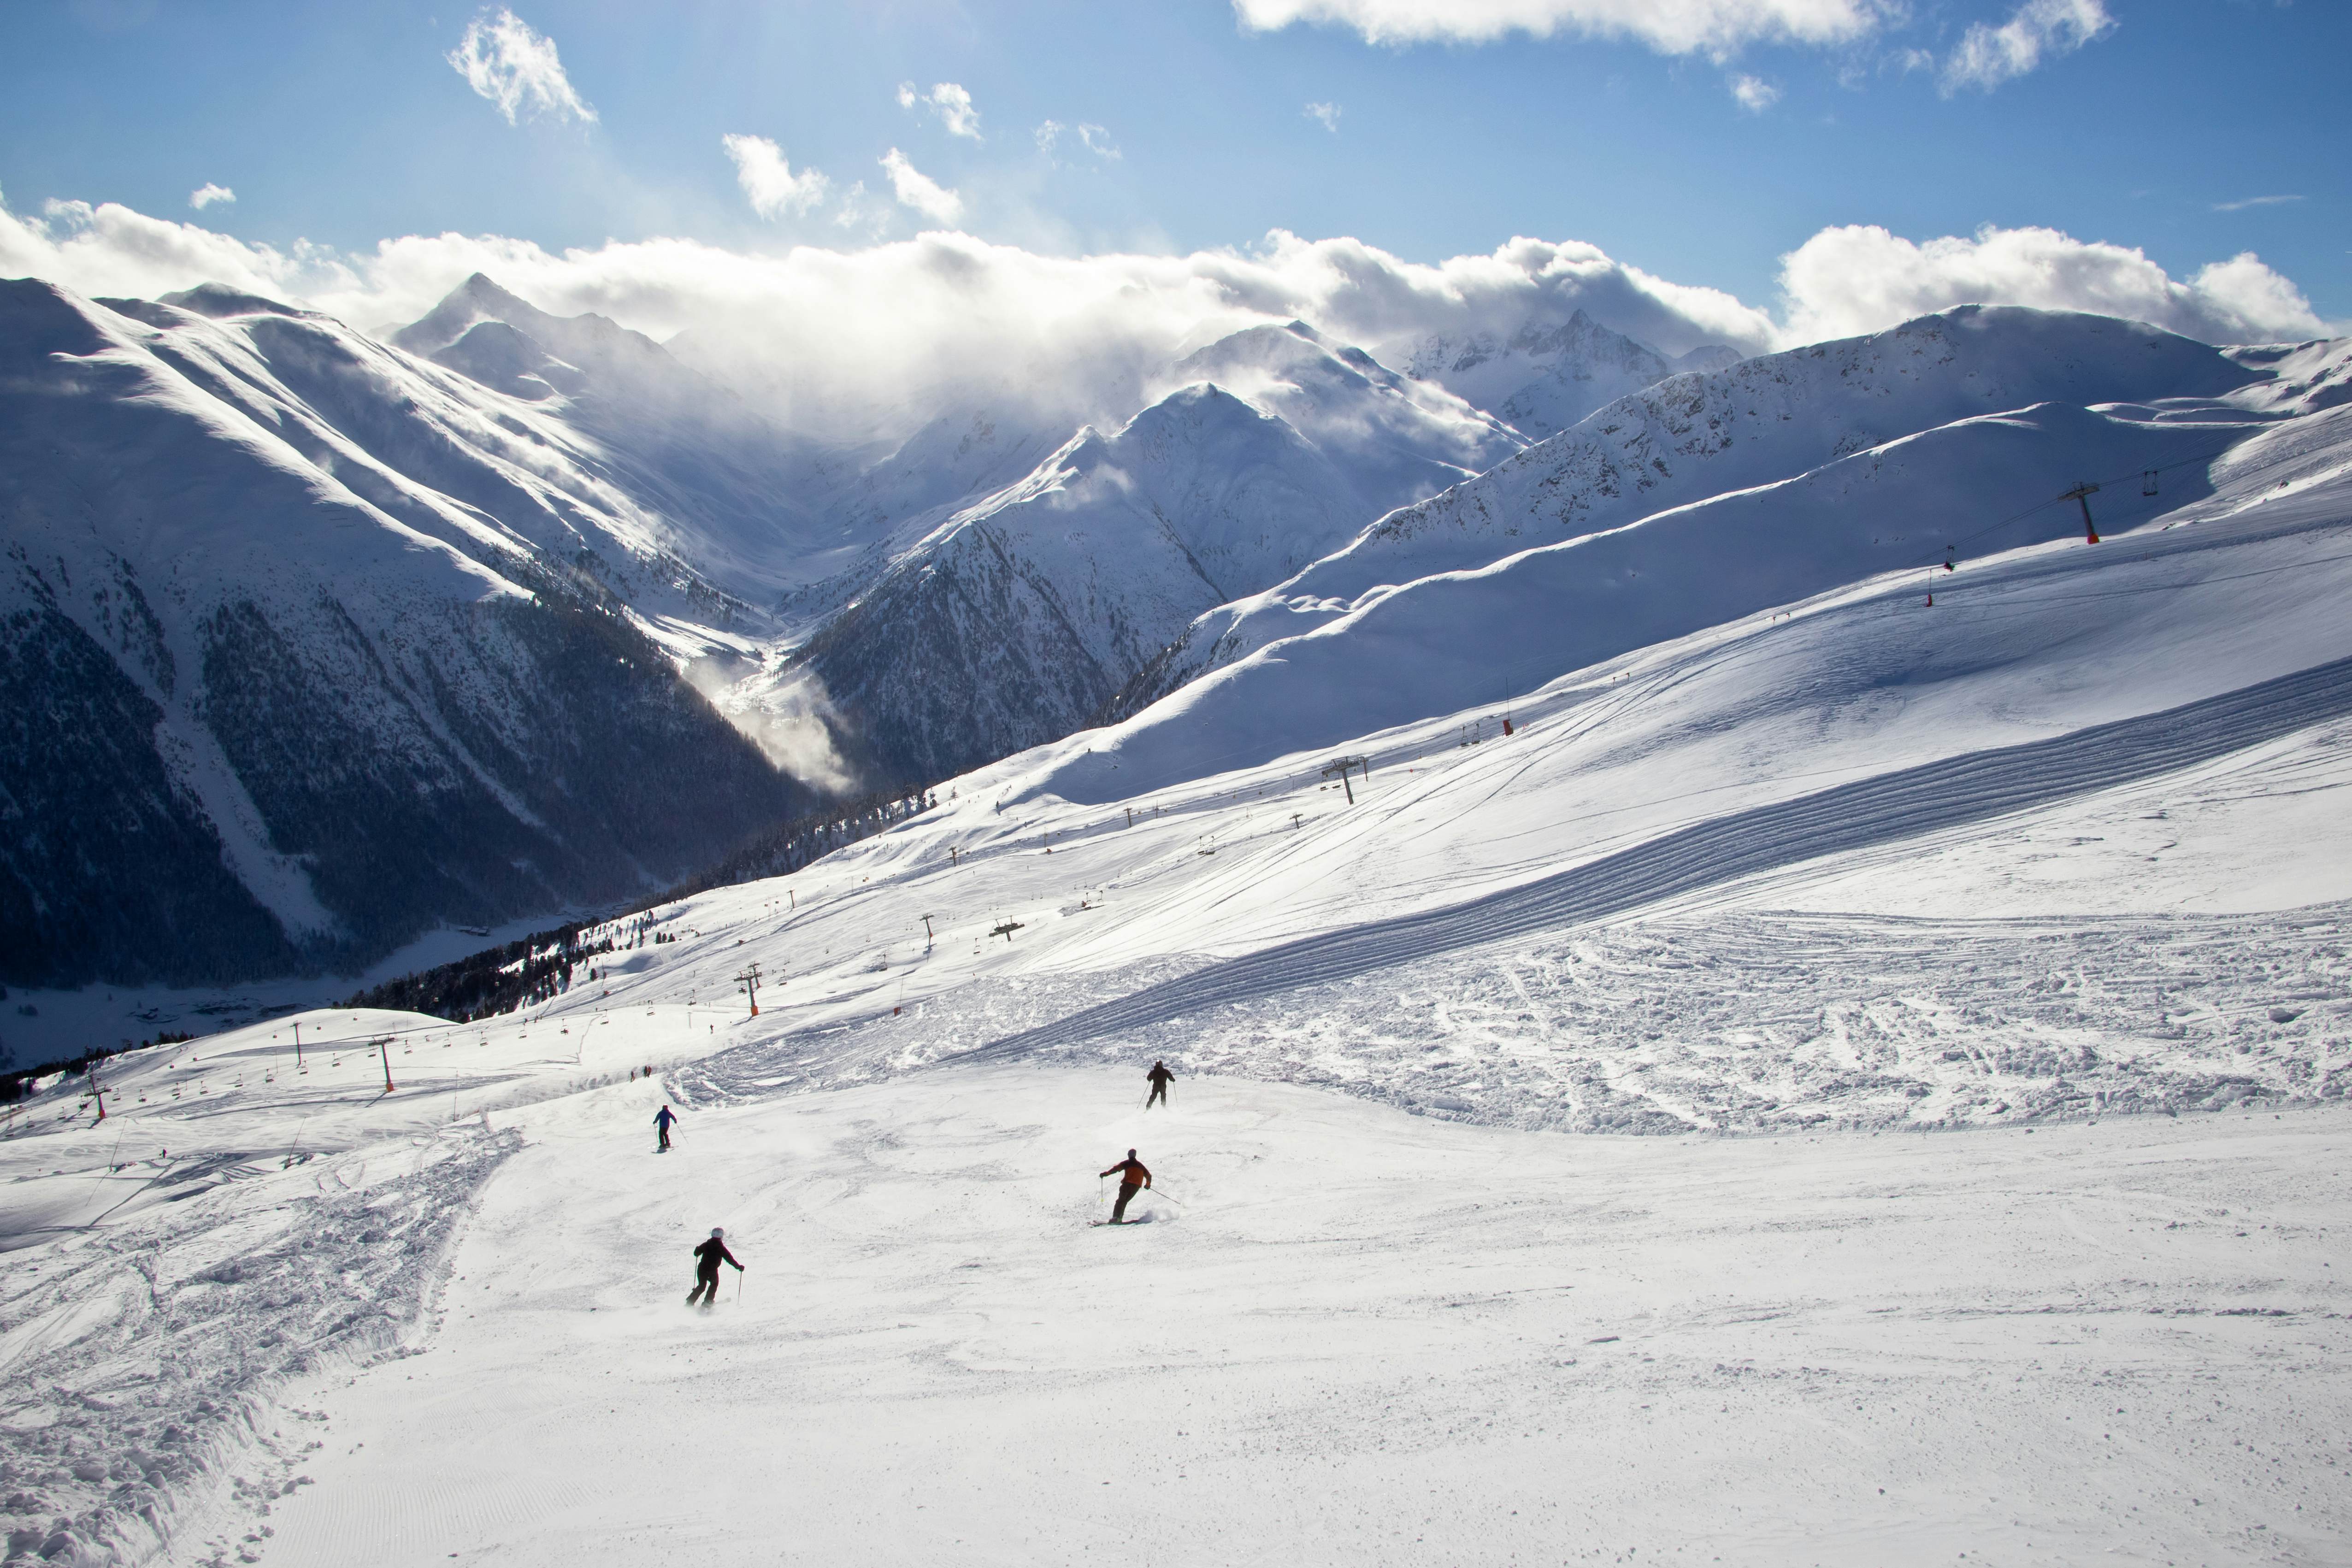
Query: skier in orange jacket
point(1132, 1179)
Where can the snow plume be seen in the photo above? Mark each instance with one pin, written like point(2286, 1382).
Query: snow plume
point(950, 102)
point(206, 194)
point(791, 717)
point(1987, 56)
point(1669, 26)
point(1755, 94)
point(516, 69)
point(1860, 278)
point(918, 190)
point(767, 178)
point(1326, 115)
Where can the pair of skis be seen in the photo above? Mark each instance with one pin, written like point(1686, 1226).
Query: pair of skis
point(1099, 1196)
point(712, 1299)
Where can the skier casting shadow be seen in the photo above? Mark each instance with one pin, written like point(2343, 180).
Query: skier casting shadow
point(662, 1119)
point(706, 1259)
point(1133, 1178)
point(1159, 1075)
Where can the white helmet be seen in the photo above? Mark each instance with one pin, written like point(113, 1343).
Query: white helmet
point(715, 1233)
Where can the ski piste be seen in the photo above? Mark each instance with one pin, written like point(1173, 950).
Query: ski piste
point(1982, 963)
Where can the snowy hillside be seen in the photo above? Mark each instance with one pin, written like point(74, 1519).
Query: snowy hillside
point(1775, 479)
point(314, 649)
point(338, 571)
point(285, 572)
point(1020, 615)
point(2006, 874)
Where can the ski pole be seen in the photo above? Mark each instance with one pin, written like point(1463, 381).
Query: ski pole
point(739, 1287)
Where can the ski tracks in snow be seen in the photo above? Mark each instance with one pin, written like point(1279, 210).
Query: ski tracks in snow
point(142, 1351)
point(1971, 788)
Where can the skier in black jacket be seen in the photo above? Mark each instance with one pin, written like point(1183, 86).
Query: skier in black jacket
point(1158, 1077)
point(706, 1259)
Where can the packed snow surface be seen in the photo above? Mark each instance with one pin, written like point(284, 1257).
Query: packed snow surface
point(1979, 971)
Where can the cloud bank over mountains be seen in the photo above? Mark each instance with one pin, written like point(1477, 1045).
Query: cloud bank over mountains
point(854, 331)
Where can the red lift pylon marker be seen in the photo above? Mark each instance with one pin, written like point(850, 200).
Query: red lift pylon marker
point(2082, 495)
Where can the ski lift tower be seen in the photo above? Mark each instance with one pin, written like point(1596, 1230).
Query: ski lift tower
point(1341, 765)
point(2081, 495)
point(747, 983)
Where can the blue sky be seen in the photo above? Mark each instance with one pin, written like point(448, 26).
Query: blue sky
point(342, 125)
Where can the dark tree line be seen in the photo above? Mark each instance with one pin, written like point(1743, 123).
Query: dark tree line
point(538, 967)
point(529, 970)
point(809, 837)
point(15, 1083)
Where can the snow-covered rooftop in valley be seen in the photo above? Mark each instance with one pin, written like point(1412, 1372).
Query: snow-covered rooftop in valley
point(1351, 783)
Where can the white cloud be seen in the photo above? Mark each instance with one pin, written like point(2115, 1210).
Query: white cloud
point(206, 194)
point(918, 190)
point(2239, 206)
point(516, 69)
point(1093, 138)
point(950, 102)
point(1670, 26)
point(1987, 56)
point(860, 209)
point(1327, 114)
point(1755, 94)
point(767, 177)
point(1861, 279)
point(864, 338)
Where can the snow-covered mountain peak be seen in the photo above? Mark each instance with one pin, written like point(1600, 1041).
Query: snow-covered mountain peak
point(480, 298)
point(220, 300)
point(1549, 373)
point(1399, 436)
point(602, 359)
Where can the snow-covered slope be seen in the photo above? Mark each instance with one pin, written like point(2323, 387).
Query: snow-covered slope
point(1549, 374)
point(2069, 844)
point(313, 646)
point(1774, 479)
point(1018, 616)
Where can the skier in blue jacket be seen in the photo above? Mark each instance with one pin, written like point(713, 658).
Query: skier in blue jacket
point(662, 1119)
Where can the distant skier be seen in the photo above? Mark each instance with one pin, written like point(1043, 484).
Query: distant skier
point(1133, 1178)
point(706, 1259)
point(1158, 1077)
point(662, 1119)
